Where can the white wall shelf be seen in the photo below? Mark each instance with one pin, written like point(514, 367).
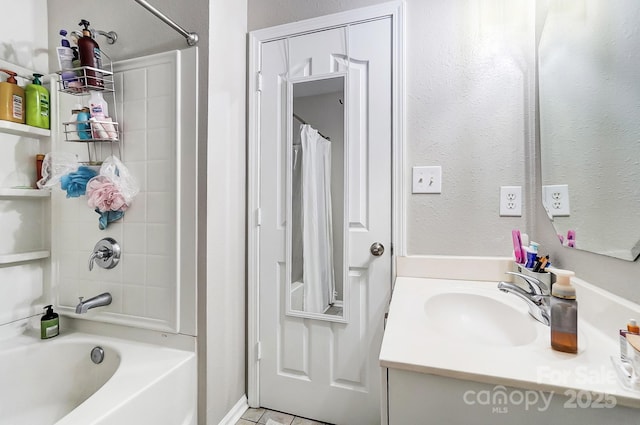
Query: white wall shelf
point(9, 127)
point(24, 193)
point(23, 256)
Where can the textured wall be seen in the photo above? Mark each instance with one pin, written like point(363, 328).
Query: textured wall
point(469, 108)
point(23, 35)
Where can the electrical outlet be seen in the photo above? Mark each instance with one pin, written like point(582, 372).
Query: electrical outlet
point(510, 201)
point(427, 179)
point(555, 199)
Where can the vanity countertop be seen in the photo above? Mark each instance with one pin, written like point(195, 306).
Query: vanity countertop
point(412, 342)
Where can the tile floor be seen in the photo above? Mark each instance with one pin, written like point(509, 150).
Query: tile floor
point(261, 416)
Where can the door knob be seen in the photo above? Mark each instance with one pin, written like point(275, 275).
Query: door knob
point(377, 249)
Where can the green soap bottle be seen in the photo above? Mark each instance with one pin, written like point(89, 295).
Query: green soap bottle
point(37, 103)
point(49, 324)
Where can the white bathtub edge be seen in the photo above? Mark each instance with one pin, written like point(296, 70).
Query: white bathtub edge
point(236, 412)
point(165, 339)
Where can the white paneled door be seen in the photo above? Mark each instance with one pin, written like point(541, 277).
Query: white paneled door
point(327, 370)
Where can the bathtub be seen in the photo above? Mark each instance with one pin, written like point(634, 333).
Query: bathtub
point(55, 382)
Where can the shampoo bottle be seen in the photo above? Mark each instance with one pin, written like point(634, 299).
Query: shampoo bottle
point(90, 56)
point(564, 313)
point(49, 324)
point(65, 60)
point(37, 103)
point(11, 99)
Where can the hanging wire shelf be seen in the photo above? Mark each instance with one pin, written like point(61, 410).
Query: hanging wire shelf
point(102, 137)
point(91, 131)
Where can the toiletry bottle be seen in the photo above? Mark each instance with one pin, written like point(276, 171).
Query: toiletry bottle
point(632, 328)
point(564, 313)
point(37, 103)
point(532, 254)
point(90, 56)
point(99, 108)
point(76, 60)
point(74, 135)
point(11, 99)
point(39, 160)
point(65, 60)
point(49, 324)
point(83, 126)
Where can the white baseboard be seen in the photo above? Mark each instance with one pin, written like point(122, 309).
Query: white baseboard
point(236, 412)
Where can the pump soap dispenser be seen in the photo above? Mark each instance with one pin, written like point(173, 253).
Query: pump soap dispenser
point(11, 99)
point(564, 313)
point(37, 103)
point(49, 324)
point(90, 56)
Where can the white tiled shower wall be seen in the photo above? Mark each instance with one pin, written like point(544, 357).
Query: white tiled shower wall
point(157, 233)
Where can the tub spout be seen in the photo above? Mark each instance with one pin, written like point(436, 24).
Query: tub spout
point(97, 301)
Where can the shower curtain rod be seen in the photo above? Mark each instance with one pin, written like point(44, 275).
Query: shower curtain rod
point(296, 116)
point(192, 37)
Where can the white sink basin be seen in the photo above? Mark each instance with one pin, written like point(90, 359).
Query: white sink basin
point(479, 319)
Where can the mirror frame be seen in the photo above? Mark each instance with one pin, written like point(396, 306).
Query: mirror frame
point(344, 318)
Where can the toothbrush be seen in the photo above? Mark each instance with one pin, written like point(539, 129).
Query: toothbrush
point(517, 246)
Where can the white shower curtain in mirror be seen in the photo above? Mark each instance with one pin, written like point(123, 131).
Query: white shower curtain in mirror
point(318, 277)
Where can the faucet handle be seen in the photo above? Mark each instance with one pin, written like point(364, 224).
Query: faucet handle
point(536, 286)
point(105, 254)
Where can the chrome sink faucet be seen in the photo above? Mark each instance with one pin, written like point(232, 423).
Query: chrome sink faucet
point(537, 297)
point(97, 301)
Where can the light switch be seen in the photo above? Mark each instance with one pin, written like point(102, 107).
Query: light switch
point(427, 179)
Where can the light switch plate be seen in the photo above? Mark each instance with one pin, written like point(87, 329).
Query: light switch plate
point(427, 179)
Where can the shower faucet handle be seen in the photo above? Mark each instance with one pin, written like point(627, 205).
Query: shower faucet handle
point(106, 254)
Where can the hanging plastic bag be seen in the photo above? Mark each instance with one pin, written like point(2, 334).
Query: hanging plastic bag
point(111, 192)
point(54, 166)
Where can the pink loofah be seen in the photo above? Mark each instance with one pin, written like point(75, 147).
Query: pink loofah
point(105, 195)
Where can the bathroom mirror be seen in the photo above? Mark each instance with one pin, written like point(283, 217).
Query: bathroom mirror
point(589, 59)
point(316, 196)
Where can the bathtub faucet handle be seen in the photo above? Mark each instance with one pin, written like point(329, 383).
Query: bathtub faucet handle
point(105, 254)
